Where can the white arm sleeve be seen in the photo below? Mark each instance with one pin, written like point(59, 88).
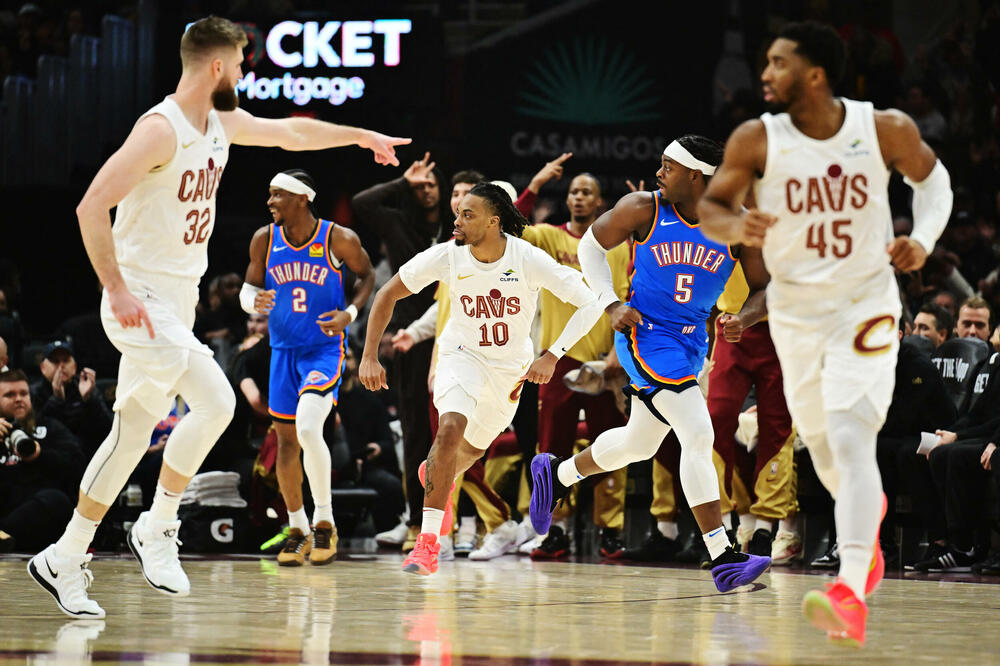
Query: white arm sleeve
point(596, 270)
point(568, 286)
point(423, 328)
point(932, 199)
point(247, 295)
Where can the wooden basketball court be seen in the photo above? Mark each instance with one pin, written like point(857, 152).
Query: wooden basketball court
point(364, 610)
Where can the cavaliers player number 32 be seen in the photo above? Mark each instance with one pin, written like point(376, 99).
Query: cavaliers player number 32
point(819, 167)
point(164, 180)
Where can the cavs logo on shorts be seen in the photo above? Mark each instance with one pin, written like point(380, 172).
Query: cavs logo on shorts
point(515, 395)
point(316, 250)
point(867, 329)
point(316, 377)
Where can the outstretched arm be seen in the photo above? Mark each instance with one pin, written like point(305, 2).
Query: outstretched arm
point(150, 144)
point(307, 134)
point(370, 371)
point(719, 208)
point(633, 212)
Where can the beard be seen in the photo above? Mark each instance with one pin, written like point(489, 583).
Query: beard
point(460, 241)
point(777, 106)
point(224, 98)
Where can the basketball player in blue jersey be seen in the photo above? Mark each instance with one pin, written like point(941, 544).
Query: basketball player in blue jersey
point(661, 339)
point(296, 275)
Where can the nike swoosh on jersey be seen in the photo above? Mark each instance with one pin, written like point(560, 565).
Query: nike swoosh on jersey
point(278, 249)
point(462, 277)
point(187, 145)
point(667, 224)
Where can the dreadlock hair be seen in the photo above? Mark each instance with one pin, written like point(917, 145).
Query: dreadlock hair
point(704, 149)
point(468, 176)
point(300, 175)
point(511, 220)
point(819, 44)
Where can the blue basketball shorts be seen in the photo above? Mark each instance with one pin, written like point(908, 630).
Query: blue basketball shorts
point(297, 370)
point(662, 356)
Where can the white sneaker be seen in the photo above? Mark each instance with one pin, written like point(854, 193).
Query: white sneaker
point(394, 537)
point(787, 546)
point(447, 552)
point(154, 544)
point(530, 545)
point(525, 532)
point(465, 543)
point(498, 542)
point(66, 579)
point(743, 536)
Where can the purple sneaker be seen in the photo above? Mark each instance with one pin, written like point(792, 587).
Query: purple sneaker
point(546, 491)
point(732, 574)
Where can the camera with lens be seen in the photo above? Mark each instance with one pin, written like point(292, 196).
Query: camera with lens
point(17, 443)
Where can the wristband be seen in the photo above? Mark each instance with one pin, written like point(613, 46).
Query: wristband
point(352, 310)
point(247, 296)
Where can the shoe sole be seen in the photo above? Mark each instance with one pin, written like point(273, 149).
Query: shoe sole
point(820, 613)
point(967, 569)
point(33, 572)
point(320, 563)
point(540, 509)
point(559, 554)
point(290, 563)
point(159, 588)
point(417, 569)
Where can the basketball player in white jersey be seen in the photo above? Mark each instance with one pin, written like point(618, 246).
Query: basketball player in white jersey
point(485, 350)
point(164, 180)
point(819, 168)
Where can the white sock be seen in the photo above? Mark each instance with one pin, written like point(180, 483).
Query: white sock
point(467, 525)
point(747, 521)
point(323, 512)
point(432, 521)
point(298, 520)
point(716, 541)
point(165, 503)
point(855, 561)
point(568, 473)
point(667, 528)
point(764, 524)
point(787, 525)
point(77, 537)
point(727, 521)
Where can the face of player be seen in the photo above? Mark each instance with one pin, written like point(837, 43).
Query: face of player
point(474, 221)
point(784, 76)
point(925, 325)
point(457, 194)
point(428, 194)
point(284, 205)
point(15, 400)
point(674, 180)
point(973, 323)
point(229, 70)
point(583, 198)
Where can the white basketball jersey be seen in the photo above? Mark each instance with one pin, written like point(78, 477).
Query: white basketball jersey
point(492, 306)
point(831, 201)
point(164, 223)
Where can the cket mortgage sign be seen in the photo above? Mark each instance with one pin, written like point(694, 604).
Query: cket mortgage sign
point(312, 45)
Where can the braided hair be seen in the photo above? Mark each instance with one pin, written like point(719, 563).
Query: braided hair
point(511, 220)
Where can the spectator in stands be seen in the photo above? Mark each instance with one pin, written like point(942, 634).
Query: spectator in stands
point(11, 331)
point(373, 455)
point(932, 322)
point(973, 319)
point(946, 300)
point(3, 355)
point(931, 123)
point(223, 324)
point(409, 215)
point(71, 397)
point(39, 478)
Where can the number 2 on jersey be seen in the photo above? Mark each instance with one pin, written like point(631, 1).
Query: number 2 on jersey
point(841, 245)
point(299, 300)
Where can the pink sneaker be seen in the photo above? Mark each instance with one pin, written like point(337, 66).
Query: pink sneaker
point(423, 559)
point(446, 523)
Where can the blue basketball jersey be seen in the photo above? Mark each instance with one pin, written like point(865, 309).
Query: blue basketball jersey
point(308, 283)
point(677, 273)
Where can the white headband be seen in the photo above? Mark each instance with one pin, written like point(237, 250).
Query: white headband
point(293, 185)
point(680, 154)
point(506, 187)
